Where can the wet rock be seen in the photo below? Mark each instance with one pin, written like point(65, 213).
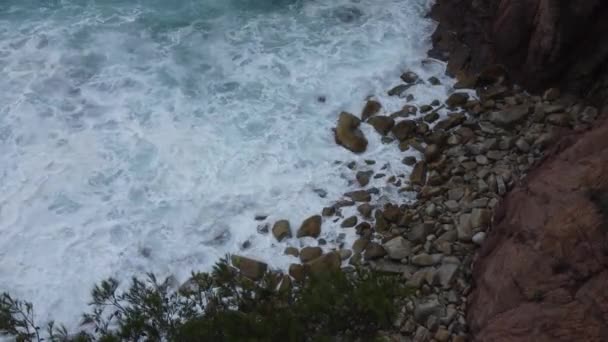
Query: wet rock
point(365, 209)
point(345, 254)
point(409, 161)
point(451, 121)
point(349, 222)
point(281, 230)
point(509, 116)
point(360, 244)
point(343, 203)
point(364, 229)
point(457, 99)
point(363, 177)
point(409, 77)
point(404, 129)
point(263, 228)
point(399, 90)
point(431, 117)
point(374, 251)
point(249, 268)
point(392, 213)
point(329, 262)
point(431, 153)
point(310, 253)
point(297, 272)
point(292, 251)
point(382, 124)
point(310, 227)
point(398, 248)
point(371, 108)
point(260, 217)
point(359, 196)
point(328, 211)
point(434, 81)
point(348, 133)
point(418, 175)
point(426, 108)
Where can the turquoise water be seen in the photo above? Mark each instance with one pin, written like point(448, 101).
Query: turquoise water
point(146, 135)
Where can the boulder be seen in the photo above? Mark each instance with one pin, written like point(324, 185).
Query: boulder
point(457, 100)
point(349, 222)
point(409, 77)
point(374, 251)
point(371, 108)
point(404, 129)
point(510, 115)
point(365, 209)
point(310, 253)
point(310, 227)
point(297, 272)
point(418, 175)
point(431, 153)
point(281, 230)
point(399, 90)
point(359, 196)
point(363, 177)
point(360, 244)
point(292, 251)
point(326, 263)
point(348, 133)
point(249, 268)
point(382, 124)
point(398, 248)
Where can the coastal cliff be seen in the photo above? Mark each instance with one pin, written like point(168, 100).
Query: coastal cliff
point(541, 272)
point(543, 43)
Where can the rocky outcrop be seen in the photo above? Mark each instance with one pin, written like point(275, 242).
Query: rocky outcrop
point(541, 42)
point(542, 272)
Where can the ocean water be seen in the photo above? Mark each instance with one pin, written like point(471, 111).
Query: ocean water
point(146, 135)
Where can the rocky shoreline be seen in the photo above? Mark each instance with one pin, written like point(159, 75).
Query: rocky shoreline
point(468, 161)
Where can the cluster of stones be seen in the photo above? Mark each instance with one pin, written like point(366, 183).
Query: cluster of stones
point(469, 159)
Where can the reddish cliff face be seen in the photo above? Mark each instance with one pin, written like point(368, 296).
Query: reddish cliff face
point(543, 273)
point(542, 42)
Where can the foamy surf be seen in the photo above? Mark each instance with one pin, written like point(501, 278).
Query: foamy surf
point(147, 136)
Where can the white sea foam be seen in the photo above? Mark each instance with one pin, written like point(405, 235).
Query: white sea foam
point(146, 137)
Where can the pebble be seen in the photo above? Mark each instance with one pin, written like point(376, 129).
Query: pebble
point(479, 237)
point(398, 248)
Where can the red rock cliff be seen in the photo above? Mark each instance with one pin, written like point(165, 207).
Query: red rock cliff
point(542, 42)
point(543, 273)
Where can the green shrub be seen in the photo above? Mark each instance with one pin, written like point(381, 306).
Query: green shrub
point(224, 306)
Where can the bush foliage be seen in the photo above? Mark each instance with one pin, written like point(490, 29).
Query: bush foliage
point(223, 306)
